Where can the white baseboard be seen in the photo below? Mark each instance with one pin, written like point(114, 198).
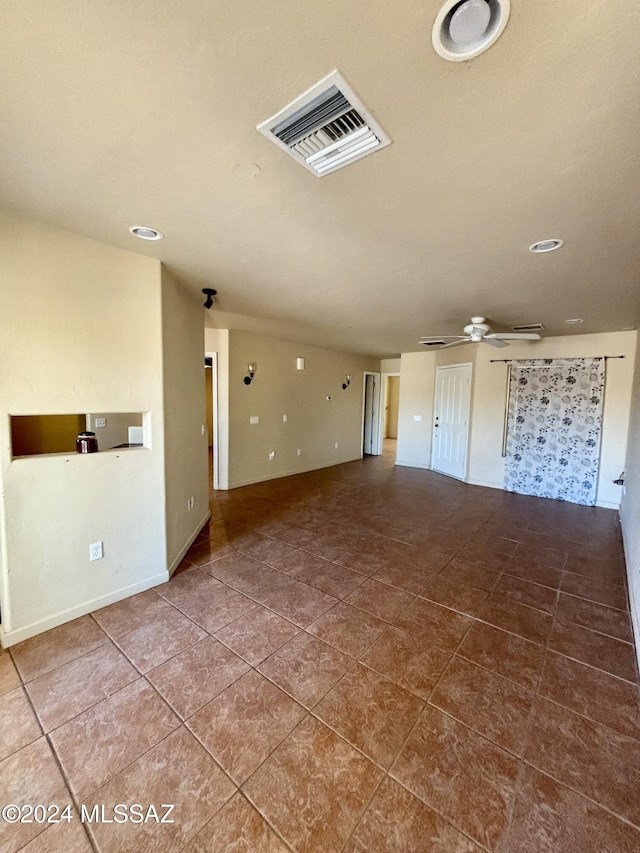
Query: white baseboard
point(484, 483)
point(192, 538)
point(634, 594)
point(10, 638)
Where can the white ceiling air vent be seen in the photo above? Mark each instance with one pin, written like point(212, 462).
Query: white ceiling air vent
point(432, 343)
point(466, 28)
point(326, 128)
point(529, 327)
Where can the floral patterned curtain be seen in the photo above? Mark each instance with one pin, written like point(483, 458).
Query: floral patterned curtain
point(554, 424)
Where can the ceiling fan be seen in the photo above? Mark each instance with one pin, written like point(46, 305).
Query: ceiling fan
point(478, 332)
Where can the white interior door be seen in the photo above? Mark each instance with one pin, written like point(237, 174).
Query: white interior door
point(371, 416)
point(451, 420)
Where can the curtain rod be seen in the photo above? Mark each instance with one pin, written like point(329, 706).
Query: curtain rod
point(509, 360)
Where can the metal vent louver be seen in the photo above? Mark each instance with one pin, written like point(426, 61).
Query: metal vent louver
point(529, 327)
point(432, 343)
point(326, 128)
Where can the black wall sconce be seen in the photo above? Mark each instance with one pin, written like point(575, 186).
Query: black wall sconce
point(251, 369)
point(209, 293)
point(346, 384)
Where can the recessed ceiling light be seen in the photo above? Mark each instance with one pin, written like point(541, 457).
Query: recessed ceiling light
point(146, 233)
point(546, 246)
point(465, 28)
point(575, 321)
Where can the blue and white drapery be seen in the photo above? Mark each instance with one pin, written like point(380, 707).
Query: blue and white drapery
point(554, 425)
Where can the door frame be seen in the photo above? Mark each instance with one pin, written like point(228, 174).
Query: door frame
point(216, 443)
point(375, 416)
point(468, 364)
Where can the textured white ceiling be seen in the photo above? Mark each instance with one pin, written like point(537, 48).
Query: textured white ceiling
point(144, 113)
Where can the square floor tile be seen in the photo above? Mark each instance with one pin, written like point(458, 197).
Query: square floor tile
point(323, 787)
point(79, 684)
point(596, 617)
point(438, 625)
point(592, 693)
point(63, 837)
point(19, 724)
point(305, 668)
point(380, 599)
point(409, 578)
point(531, 594)
point(347, 628)
point(409, 661)
point(603, 593)
point(506, 654)
point(195, 676)
point(371, 713)
point(549, 818)
point(532, 625)
point(587, 757)
point(299, 564)
point(250, 577)
point(53, 648)
point(530, 569)
point(491, 705)
point(96, 745)
point(131, 613)
point(454, 594)
point(333, 579)
point(256, 634)
point(301, 604)
point(464, 572)
point(9, 678)
point(459, 774)
point(29, 776)
point(152, 644)
point(397, 821)
point(236, 828)
point(177, 771)
point(245, 723)
point(599, 650)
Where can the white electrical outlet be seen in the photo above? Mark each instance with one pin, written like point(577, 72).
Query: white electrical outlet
point(95, 551)
point(336, 445)
point(284, 419)
point(299, 452)
point(101, 422)
point(417, 417)
point(254, 419)
point(272, 455)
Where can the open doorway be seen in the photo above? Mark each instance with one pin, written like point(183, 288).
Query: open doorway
point(390, 409)
point(371, 435)
point(211, 391)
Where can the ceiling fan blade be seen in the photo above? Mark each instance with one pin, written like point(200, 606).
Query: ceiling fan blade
point(493, 342)
point(457, 343)
point(515, 336)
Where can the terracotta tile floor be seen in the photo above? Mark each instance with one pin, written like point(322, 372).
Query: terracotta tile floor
point(365, 658)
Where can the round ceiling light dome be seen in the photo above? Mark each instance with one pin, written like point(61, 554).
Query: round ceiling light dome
point(542, 246)
point(146, 233)
point(465, 28)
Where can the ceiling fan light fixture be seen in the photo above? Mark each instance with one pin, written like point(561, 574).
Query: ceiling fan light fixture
point(464, 29)
point(575, 321)
point(542, 246)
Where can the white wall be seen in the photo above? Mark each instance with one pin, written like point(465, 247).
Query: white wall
point(81, 332)
point(390, 365)
point(314, 423)
point(630, 506)
point(185, 434)
point(489, 387)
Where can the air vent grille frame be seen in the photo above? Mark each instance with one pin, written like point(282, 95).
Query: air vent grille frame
point(528, 327)
point(332, 116)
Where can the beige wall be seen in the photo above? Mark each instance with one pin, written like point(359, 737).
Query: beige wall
point(630, 507)
point(185, 431)
point(390, 365)
point(314, 423)
point(81, 333)
point(392, 403)
point(485, 464)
